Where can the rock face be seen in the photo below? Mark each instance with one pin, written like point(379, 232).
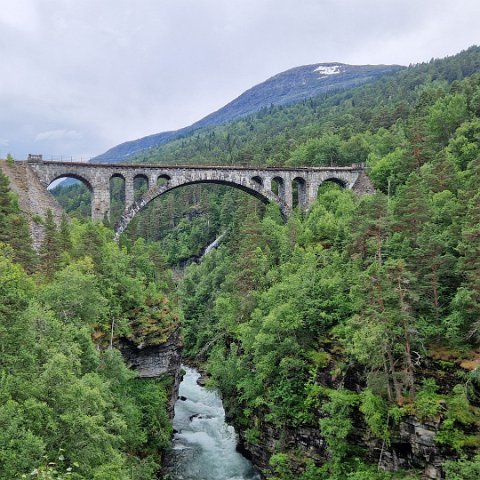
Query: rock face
point(414, 446)
point(306, 441)
point(33, 198)
point(155, 361)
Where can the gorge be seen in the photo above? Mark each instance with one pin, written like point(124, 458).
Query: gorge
point(343, 340)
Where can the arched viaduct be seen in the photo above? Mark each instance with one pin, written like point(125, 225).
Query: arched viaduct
point(256, 181)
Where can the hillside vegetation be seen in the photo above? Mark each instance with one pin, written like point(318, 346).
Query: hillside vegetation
point(363, 312)
point(286, 88)
point(366, 310)
point(69, 406)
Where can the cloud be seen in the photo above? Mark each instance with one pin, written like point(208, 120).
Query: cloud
point(19, 14)
point(81, 77)
point(58, 135)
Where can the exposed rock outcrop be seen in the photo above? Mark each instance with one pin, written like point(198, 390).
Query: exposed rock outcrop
point(154, 361)
point(34, 200)
point(307, 442)
point(413, 446)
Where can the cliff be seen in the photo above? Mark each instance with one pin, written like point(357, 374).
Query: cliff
point(155, 361)
point(34, 200)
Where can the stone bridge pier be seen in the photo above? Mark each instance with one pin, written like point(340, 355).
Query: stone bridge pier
point(276, 184)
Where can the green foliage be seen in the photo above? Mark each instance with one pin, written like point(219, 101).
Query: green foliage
point(50, 249)
point(376, 414)
point(338, 425)
point(61, 392)
point(446, 115)
point(460, 414)
point(462, 469)
point(53, 470)
point(428, 404)
point(14, 229)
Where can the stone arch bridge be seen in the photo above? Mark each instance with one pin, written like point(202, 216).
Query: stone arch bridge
point(274, 184)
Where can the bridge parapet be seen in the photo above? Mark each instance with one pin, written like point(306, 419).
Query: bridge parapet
point(269, 184)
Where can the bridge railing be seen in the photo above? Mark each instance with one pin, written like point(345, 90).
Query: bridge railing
point(57, 158)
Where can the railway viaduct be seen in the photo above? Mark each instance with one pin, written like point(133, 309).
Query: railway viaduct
point(274, 184)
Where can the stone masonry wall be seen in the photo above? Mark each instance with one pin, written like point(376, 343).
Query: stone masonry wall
point(34, 199)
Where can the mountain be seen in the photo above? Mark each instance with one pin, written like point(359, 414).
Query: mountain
point(286, 88)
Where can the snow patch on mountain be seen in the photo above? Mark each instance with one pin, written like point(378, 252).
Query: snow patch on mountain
point(328, 69)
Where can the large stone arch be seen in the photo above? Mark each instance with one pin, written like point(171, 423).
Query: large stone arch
point(81, 178)
point(252, 188)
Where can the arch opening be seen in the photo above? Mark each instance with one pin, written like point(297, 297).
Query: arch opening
point(337, 181)
point(117, 186)
point(329, 185)
point(299, 193)
point(278, 187)
point(74, 194)
point(140, 186)
point(258, 180)
point(264, 196)
point(163, 180)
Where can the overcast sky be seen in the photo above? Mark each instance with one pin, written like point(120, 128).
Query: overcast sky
point(81, 76)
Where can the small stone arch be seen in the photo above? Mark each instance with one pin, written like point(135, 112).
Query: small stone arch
point(142, 176)
point(163, 179)
point(85, 206)
point(74, 176)
point(258, 180)
point(299, 192)
point(117, 175)
point(342, 183)
point(329, 183)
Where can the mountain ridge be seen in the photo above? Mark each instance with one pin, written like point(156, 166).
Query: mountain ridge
point(289, 87)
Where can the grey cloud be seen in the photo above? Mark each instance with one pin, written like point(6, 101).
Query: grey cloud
point(117, 69)
point(58, 135)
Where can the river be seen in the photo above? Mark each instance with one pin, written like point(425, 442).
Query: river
point(204, 447)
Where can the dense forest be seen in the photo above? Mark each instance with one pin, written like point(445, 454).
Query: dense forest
point(366, 306)
point(70, 408)
point(346, 320)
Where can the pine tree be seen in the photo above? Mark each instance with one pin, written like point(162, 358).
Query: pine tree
point(21, 242)
point(14, 229)
point(6, 207)
point(64, 240)
point(50, 249)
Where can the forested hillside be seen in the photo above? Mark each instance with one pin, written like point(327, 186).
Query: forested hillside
point(285, 88)
point(278, 135)
point(360, 318)
point(364, 313)
point(69, 406)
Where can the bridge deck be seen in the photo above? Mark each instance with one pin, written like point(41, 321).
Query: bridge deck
point(157, 166)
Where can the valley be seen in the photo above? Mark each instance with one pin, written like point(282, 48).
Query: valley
point(342, 338)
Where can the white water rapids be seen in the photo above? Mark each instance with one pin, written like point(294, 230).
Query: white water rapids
point(204, 447)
